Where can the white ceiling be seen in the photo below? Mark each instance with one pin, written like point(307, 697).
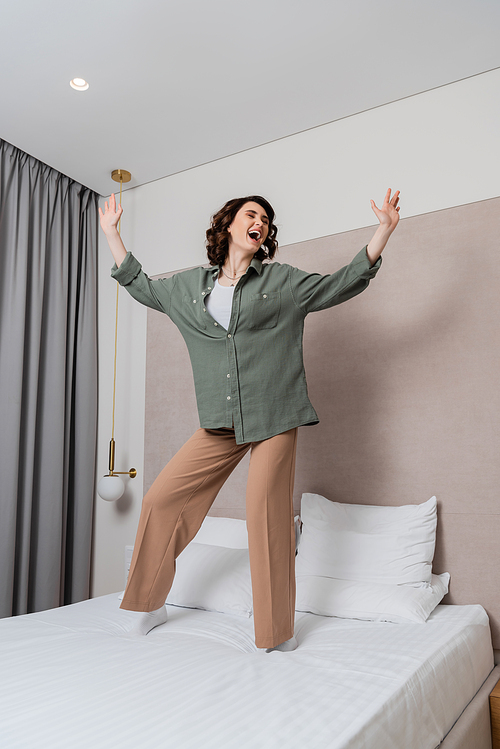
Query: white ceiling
point(179, 83)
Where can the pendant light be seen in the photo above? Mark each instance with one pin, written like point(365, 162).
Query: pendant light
point(111, 486)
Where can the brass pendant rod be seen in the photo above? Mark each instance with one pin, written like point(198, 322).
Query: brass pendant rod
point(120, 220)
point(111, 456)
point(121, 176)
point(116, 321)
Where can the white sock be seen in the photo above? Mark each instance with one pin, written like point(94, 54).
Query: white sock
point(149, 620)
point(285, 647)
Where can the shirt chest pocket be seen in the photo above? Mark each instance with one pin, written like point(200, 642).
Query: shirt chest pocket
point(194, 311)
point(264, 310)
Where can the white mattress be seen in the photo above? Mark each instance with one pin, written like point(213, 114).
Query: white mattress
point(71, 677)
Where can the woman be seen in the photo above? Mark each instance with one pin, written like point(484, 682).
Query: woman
point(242, 321)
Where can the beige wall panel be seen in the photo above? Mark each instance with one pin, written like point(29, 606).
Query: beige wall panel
point(404, 379)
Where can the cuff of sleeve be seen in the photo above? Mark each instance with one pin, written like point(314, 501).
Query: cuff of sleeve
point(128, 270)
point(362, 264)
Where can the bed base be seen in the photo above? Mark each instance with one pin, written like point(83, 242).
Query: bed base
point(473, 728)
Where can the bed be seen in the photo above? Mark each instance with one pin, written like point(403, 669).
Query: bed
point(388, 678)
point(72, 677)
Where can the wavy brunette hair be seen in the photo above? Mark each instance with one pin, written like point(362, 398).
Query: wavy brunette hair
point(218, 235)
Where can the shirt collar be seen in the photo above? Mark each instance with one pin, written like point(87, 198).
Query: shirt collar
point(257, 264)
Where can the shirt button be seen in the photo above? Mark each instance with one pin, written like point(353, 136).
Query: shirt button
point(194, 301)
point(264, 296)
point(210, 288)
point(229, 397)
point(203, 293)
point(229, 375)
point(215, 324)
point(204, 310)
point(229, 335)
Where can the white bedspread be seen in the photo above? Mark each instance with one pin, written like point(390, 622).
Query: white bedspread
point(71, 677)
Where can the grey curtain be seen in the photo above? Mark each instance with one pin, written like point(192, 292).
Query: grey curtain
point(48, 383)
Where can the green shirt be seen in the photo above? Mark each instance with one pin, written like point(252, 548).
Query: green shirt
point(250, 376)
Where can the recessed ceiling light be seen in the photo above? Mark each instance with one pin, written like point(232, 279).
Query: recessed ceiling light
point(79, 84)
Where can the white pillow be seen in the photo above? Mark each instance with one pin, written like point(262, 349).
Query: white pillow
point(228, 532)
point(376, 602)
point(213, 578)
point(213, 571)
point(367, 543)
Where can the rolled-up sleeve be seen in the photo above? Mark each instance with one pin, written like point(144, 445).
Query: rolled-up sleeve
point(312, 291)
point(156, 294)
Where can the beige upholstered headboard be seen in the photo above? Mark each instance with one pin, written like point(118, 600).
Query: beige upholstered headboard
point(405, 379)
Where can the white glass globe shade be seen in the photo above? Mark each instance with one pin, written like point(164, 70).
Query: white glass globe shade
point(110, 488)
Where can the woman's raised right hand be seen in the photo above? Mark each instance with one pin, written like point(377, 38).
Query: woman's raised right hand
point(109, 219)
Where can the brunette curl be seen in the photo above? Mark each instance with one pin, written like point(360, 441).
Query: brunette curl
point(218, 235)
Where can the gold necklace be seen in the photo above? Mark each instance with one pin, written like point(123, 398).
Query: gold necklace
point(235, 276)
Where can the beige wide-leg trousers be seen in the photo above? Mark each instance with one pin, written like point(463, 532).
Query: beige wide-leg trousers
point(178, 501)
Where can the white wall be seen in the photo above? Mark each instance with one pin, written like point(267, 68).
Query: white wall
point(440, 148)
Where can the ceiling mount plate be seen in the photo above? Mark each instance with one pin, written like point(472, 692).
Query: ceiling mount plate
point(121, 175)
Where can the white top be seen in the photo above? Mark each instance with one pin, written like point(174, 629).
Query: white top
point(220, 303)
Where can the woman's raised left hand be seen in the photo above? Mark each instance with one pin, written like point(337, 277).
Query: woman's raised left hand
point(388, 214)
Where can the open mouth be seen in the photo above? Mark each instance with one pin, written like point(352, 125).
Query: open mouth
point(254, 235)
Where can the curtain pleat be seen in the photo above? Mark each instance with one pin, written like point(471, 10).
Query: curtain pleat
point(48, 383)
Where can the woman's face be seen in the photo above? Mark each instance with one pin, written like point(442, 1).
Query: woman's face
point(249, 228)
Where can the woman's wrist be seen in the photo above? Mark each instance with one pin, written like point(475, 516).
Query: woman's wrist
point(378, 242)
point(384, 231)
point(111, 231)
